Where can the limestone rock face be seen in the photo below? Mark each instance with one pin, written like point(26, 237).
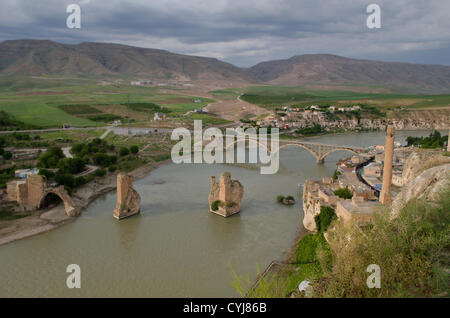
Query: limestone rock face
point(225, 197)
point(128, 200)
point(426, 184)
point(417, 162)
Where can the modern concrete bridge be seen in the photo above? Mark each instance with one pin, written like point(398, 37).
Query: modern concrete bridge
point(318, 150)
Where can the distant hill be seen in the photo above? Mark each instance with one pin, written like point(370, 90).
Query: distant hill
point(42, 57)
point(325, 68)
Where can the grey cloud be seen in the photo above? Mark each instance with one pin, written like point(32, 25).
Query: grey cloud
point(247, 31)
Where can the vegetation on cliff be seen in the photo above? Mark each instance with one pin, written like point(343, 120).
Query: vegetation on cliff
point(344, 193)
point(412, 251)
point(324, 218)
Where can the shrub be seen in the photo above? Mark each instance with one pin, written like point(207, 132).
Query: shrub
point(7, 155)
point(112, 168)
point(100, 172)
point(47, 173)
point(65, 179)
point(344, 193)
point(124, 151)
point(134, 149)
point(336, 174)
point(410, 249)
point(216, 204)
point(290, 198)
point(308, 247)
point(71, 165)
point(280, 198)
point(50, 158)
point(79, 181)
point(324, 218)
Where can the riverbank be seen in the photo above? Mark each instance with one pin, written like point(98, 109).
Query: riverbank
point(41, 221)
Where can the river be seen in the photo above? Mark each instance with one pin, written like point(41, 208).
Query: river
point(175, 247)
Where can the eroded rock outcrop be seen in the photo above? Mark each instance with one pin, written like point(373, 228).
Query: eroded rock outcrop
point(225, 197)
point(426, 176)
point(128, 200)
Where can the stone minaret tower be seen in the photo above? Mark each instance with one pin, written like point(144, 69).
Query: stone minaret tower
point(448, 141)
point(385, 195)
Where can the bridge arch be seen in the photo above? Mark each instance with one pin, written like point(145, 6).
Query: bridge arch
point(70, 207)
point(326, 154)
point(319, 151)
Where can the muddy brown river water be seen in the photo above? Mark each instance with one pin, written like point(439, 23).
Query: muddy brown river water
point(175, 247)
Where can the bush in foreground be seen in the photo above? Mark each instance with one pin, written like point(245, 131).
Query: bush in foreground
point(412, 252)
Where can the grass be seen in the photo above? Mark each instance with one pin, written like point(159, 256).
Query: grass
point(278, 284)
point(227, 94)
point(52, 102)
point(162, 157)
point(412, 251)
point(272, 97)
point(6, 215)
point(311, 255)
point(209, 120)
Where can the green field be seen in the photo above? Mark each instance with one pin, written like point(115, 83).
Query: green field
point(227, 94)
point(272, 97)
point(209, 120)
point(52, 102)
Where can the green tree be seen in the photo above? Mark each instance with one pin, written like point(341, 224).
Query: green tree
point(71, 165)
point(324, 218)
point(50, 158)
point(65, 179)
point(47, 173)
point(7, 155)
point(134, 149)
point(124, 151)
point(344, 193)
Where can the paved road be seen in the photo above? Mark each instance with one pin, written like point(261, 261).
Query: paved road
point(66, 152)
point(120, 130)
point(90, 169)
point(106, 133)
point(360, 177)
point(4, 132)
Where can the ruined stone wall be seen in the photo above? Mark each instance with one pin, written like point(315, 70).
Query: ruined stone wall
point(11, 190)
point(35, 189)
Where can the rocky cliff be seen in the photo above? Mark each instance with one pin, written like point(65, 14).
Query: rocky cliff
point(426, 174)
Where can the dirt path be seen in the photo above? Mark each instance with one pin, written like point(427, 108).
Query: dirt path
point(237, 109)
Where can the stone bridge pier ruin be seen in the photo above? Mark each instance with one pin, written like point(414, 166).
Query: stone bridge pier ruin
point(128, 200)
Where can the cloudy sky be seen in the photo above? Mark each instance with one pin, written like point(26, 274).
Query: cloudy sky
point(244, 32)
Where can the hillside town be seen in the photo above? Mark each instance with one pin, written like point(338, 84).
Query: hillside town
point(361, 184)
point(330, 118)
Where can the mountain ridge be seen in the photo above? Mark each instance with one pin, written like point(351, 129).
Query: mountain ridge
point(43, 57)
